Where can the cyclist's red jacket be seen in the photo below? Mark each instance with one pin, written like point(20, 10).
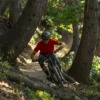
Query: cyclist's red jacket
point(46, 48)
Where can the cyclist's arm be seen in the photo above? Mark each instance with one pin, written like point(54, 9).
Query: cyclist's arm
point(62, 45)
point(36, 49)
point(33, 55)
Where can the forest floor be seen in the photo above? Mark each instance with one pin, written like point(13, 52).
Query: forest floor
point(12, 91)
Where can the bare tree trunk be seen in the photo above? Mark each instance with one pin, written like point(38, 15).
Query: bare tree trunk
point(3, 6)
point(76, 33)
point(97, 52)
point(81, 66)
point(13, 43)
point(76, 38)
point(15, 9)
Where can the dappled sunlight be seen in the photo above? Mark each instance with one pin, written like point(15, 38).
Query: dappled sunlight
point(63, 52)
point(2, 83)
point(9, 92)
point(29, 61)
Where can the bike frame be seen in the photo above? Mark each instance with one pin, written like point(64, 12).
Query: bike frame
point(54, 69)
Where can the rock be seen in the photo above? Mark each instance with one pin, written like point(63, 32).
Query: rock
point(84, 98)
point(76, 98)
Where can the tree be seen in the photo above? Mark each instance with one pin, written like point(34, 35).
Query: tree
point(15, 9)
point(14, 41)
point(97, 53)
point(82, 64)
point(76, 38)
point(76, 41)
point(76, 30)
point(3, 6)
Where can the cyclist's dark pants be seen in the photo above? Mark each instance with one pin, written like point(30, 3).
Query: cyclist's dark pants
point(43, 57)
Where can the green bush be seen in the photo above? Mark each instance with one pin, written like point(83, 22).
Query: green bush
point(34, 38)
point(68, 60)
point(96, 65)
point(95, 71)
point(43, 95)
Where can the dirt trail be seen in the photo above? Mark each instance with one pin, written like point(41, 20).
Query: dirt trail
point(28, 67)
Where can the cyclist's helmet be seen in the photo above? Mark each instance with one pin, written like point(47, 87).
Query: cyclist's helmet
point(45, 35)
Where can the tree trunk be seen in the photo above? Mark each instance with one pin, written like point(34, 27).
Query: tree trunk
point(97, 53)
point(15, 10)
point(13, 43)
point(76, 38)
point(3, 6)
point(81, 66)
point(76, 34)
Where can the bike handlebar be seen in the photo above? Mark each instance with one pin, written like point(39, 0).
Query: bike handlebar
point(35, 60)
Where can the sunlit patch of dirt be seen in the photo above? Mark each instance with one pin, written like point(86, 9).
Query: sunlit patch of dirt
point(9, 91)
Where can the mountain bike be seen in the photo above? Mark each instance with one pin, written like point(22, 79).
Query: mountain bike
point(54, 71)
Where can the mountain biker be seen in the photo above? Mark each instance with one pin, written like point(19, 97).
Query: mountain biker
point(46, 46)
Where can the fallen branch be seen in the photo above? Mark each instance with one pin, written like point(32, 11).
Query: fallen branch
point(69, 78)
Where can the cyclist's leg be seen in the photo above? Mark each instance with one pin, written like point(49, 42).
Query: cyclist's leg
point(41, 60)
point(55, 58)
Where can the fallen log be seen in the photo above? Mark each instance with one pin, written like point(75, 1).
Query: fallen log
point(36, 84)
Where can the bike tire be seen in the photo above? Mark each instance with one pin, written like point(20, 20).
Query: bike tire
point(59, 79)
point(62, 77)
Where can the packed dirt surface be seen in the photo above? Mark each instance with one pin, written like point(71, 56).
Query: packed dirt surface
point(28, 67)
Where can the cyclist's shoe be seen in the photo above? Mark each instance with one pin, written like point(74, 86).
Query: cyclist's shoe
point(49, 78)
